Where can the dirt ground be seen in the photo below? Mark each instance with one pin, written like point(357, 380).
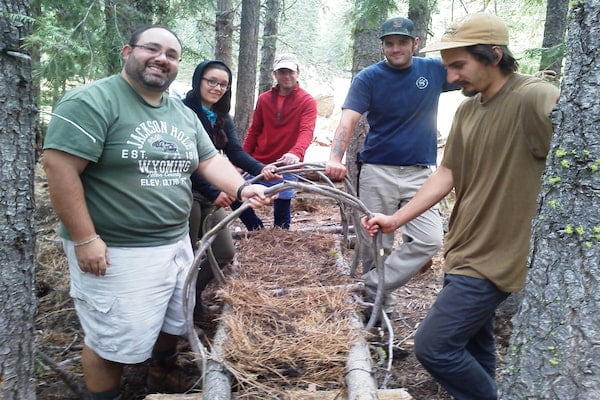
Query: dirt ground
point(59, 336)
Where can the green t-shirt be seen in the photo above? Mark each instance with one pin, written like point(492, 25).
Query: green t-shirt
point(137, 184)
point(497, 151)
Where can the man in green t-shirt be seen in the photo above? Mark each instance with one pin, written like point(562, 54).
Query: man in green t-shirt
point(494, 159)
point(118, 157)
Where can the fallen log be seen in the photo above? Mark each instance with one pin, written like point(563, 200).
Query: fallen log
point(321, 229)
point(359, 373)
point(381, 394)
point(217, 380)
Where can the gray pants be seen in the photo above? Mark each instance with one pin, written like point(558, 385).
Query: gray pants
point(384, 189)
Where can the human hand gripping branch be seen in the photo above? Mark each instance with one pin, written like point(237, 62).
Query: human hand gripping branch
point(435, 188)
point(288, 159)
point(379, 222)
point(254, 194)
point(269, 173)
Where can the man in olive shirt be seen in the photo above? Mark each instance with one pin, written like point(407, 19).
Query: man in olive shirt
point(494, 158)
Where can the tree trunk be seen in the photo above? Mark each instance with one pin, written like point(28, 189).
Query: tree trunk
point(554, 348)
point(224, 32)
point(419, 13)
point(269, 46)
point(366, 51)
point(36, 90)
point(17, 248)
point(246, 78)
point(554, 35)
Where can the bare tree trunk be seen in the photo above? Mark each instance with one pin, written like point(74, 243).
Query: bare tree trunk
point(554, 35)
point(224, 32)
point(17, 248)
point(36, 11)
point(246, 78)
point(419, 13)
point(554, 348)
point(269, 46)
point(366, 51)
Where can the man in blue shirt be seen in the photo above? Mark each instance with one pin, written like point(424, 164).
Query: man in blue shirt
point(400, 96)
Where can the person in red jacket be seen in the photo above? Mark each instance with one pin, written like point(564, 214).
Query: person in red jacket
point(282, 128)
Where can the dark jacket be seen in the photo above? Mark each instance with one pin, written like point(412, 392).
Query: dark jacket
point(222, 133)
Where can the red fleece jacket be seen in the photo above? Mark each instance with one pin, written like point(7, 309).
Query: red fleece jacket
point(274, 132)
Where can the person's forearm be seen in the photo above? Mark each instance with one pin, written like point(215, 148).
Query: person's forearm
point(339, 144)
point(304, 140)
point(342, 135)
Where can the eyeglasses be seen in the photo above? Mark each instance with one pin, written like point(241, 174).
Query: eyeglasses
point(213, 84)
point(156, 51)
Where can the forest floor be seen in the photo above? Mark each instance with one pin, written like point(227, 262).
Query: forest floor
point(59, 335)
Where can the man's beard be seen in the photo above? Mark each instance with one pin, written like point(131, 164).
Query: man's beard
point(146, 79)
point(469, 93)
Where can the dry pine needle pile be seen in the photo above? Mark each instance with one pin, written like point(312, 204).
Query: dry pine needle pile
point(289, 327)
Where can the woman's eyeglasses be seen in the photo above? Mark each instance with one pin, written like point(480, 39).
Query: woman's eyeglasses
point(213, 84)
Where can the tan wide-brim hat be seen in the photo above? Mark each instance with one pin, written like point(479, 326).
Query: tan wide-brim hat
point(476, 28)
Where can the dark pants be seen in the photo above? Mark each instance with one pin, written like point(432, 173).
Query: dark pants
point(249, 218)
point(455, 342)
point(281, 214)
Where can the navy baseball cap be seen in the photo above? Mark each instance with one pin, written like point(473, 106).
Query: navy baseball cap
point(398, 26)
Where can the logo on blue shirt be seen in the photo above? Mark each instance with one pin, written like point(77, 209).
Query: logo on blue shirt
point(422, 82)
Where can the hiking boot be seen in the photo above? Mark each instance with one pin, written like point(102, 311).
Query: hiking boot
point(169, 377)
